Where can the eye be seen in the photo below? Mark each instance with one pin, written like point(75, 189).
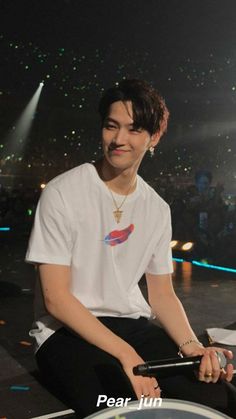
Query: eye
point(109, 126)
point(136, 130)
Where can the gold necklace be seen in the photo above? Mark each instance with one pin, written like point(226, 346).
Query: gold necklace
point(117, 212)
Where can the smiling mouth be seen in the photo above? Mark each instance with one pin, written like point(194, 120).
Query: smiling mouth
point(117, 151)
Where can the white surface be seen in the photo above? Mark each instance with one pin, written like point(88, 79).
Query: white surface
point(55, 415)
point(224, 336)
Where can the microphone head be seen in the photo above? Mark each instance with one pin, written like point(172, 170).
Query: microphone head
point(222, 359)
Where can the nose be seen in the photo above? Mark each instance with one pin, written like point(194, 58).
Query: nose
point(120, 137)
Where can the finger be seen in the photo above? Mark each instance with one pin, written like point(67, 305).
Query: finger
point(150, 388)
point(138, 391)
point(152, 392)
point(209, 370)
point(227, 353)
point(215, 366)
point(158, 392)
point(139, 388)
point(228, 373)
point(206, 375)
point(205, 367)
point(207, 380)
point(156, 387)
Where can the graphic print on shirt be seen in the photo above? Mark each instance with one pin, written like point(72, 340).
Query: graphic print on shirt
point(118, 236)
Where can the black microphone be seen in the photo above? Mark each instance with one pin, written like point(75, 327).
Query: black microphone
point(174, 365)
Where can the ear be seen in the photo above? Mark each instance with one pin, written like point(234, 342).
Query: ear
point(155, 138)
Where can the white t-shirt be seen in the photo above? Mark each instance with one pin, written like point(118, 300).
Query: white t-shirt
point(75, 226)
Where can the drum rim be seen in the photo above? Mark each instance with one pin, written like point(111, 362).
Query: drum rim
point(166, 404)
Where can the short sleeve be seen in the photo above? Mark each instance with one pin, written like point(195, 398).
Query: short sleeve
point(161, 260)
point(50, 240)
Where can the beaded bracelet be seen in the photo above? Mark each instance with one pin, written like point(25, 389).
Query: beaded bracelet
point(180, 353)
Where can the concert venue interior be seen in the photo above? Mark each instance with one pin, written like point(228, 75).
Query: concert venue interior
point(57, 58)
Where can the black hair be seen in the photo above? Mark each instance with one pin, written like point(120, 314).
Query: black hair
point(149, 108)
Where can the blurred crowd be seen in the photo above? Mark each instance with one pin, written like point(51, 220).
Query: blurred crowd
point(17, 207)
point(200, 214)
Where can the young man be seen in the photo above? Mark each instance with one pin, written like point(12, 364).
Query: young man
point(98, 229)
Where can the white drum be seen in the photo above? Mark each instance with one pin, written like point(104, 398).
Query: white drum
point(166, 409)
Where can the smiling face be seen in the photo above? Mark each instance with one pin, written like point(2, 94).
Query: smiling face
point(124, 144)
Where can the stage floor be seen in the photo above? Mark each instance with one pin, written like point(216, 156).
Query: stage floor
point(207, 295)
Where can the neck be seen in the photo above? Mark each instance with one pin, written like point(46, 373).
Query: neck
point(121, 181)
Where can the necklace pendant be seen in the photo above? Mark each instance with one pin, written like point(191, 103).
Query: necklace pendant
point(117, 214)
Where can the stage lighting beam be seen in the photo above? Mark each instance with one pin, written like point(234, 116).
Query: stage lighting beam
point(16, 139)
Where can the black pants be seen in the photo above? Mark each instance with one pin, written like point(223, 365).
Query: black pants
point(78, 371)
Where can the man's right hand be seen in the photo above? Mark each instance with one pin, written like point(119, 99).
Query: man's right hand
point(146, 386)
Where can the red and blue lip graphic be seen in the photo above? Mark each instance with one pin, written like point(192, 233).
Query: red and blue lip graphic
point(118, 236)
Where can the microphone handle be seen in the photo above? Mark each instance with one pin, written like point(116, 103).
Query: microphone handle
point(174, 365)
point(167, 365)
